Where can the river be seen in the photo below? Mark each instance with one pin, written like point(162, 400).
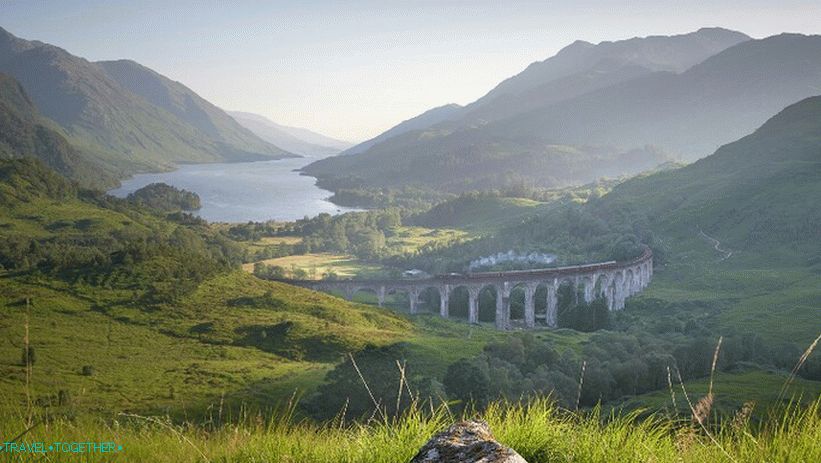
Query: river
point(245, 191)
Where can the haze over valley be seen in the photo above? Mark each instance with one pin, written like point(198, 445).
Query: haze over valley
point(612, 253)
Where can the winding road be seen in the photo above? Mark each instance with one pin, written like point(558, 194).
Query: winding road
point(717, 246)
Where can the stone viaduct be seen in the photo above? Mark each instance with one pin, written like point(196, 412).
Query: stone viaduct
point(614, 281)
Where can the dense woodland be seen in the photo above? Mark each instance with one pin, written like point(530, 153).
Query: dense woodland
point(160, 196)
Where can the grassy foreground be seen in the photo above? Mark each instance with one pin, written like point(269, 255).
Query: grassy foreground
point(538, 431)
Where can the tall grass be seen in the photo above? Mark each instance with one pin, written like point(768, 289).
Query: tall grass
point(538, 430)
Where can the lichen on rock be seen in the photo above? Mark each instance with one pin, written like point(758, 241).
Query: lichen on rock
point(466, 442)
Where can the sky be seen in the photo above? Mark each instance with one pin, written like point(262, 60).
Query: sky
point(352, 69)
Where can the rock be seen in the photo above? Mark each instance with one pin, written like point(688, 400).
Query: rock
point(466, 442)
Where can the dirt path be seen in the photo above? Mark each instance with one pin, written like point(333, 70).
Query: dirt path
point(717, 246)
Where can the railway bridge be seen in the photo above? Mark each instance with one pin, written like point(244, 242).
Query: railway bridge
point(614, 281)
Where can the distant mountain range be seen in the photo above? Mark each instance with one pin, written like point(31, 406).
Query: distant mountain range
point(294, 139)
point(577, 69)
point(124, 117)
point(683, 95)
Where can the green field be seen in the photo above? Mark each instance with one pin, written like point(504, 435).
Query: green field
point(410, 239)
point(399, 240)
point(483, 214)
point(316, 265)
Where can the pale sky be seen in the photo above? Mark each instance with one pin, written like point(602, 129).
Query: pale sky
point(351, 69)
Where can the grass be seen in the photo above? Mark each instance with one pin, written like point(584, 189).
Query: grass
point(743, 293)
point(274, 240)
point(482, 214)
point(46, 218)
point(400, 240)
point(206, 349)
point(732, 391)
point(409, 239)
point(264, 243)
point(318, 264)
point(537, 430)
point(203, 351)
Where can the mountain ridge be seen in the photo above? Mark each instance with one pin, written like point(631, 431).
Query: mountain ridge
point(571, 63)
point(758, 192)
point(120, 131)
point(26, 134)
point(294, 139)
point(722, 98)
point(427, 119)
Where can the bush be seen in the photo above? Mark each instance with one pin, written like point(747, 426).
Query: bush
point(467, 381)
point(87, 370)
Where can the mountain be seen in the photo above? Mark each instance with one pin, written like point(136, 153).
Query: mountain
point(688, 115)
point(124, 116)
point(183, 103)
point(674, 53)
point(470, 160)
point(691, 114)
point(25, 134)
point(427, 119)
point(761, 194)
point(294, 139)
point(576, 69)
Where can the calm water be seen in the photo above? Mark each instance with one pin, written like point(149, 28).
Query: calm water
point(239, 192)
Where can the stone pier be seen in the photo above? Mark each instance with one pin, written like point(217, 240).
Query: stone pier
point(612, 281)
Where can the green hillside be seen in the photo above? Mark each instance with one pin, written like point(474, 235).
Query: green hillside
point(26, 134)
point(760, 195)
point(737, 235)
point(103, 284)
point(760, 199)
point(116, 127)
point(209, 346)
point(185, 105)
point(110, 282)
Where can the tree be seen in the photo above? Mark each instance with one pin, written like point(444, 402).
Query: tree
point(468, 382)
point(344, 389)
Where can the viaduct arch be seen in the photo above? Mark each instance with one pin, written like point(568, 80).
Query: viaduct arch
point(614, 281)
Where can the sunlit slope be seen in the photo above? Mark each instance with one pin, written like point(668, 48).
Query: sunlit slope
point(130, 310)
point(252, 342)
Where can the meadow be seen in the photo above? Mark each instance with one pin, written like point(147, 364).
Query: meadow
point(538, 430)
